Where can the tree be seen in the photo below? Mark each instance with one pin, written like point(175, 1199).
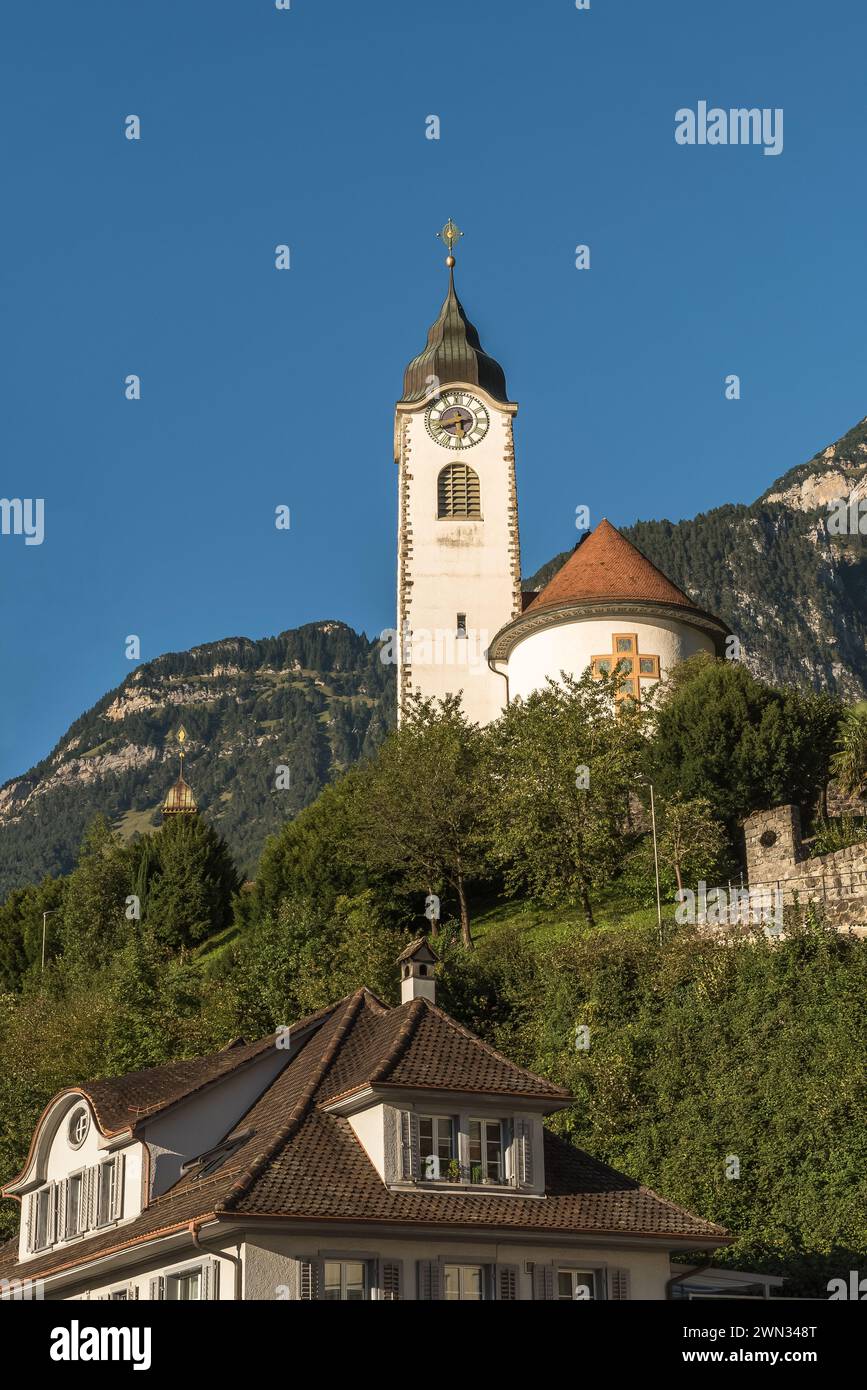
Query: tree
point(418, 809)
point(22, 917)
point(721, 734)
point(849, 762)
point(691, 838)
point(192, 882)
point(560, 768)
point(94, 923)
point(312, 857)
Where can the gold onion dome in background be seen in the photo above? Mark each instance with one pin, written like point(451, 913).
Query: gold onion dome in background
point(180, 799)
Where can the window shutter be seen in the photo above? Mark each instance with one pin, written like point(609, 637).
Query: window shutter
point(390, 1280)
point(308, 1282)
point(55, 1219)
point(117, 1188)
point(543, 1281)
point(88, 1217)
point(506, 1282)
point(60, 1230)
point(618, 1283)
point(429, 1279)
point(523, 1151)
point(31, 1221)
point(409, 1146)
point(158, 1287)
point(211, 1279)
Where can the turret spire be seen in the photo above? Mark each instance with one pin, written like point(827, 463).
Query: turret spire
point(180, 800)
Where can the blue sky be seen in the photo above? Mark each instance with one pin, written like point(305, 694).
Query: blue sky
point(261, 387)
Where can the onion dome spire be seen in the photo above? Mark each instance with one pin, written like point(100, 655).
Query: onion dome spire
point(179, 799)
point(453, 351)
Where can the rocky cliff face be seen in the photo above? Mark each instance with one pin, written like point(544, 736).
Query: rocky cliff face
point(310, 702)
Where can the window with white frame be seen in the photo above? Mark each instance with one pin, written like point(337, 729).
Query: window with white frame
point(74, 1219)
point(576, 1284)
point(486, 1151)
point(464, 1283)
point(87, 1199)
point(436, 1147)
point(43, 1228)
point(185, 1286)
point(344, 1280)
point(106, 1193)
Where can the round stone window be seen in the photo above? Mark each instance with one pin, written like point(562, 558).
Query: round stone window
point(79, 1124)
point(768, 839)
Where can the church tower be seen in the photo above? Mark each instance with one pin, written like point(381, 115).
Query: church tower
point(458, 556)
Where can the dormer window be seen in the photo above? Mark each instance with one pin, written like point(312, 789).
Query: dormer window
point(204, 1164)
point(78, 1128)
point(462, 1150)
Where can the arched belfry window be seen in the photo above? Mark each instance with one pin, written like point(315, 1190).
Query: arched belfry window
point(458, 491)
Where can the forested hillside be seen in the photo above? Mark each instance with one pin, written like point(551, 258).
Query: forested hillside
point(313, 700)
point(793, 591)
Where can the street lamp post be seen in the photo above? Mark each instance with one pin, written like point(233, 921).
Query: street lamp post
point(45, 914)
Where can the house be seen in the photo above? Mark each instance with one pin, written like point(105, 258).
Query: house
point(367, 1152)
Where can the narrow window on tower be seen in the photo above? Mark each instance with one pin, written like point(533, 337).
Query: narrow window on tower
point(462, 625)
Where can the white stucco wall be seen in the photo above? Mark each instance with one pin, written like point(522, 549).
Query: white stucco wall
point(269, 1259)
point(570, 646)
point(459, 565)
point(191, 1129)
point(56, 1159)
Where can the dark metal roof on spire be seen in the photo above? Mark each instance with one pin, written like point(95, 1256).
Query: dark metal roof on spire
point(453, 351)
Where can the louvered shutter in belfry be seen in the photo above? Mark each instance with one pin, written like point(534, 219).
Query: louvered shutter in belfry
point(506, 1282)
point(543, 1281)
point(458, 492)
point(429, 1279)
point(618, 1283)
point(390, 1280)
point(409, 1146)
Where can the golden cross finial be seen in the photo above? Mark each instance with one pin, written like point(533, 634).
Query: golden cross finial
point(181, 737)
point(450, 234)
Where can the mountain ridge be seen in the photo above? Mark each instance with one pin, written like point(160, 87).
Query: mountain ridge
point(317, 698)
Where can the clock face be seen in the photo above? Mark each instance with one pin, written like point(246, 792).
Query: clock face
point(457, 420)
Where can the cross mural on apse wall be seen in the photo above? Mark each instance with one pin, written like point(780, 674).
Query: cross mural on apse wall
point(632, 666)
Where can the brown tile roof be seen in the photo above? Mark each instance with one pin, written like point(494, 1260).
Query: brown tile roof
point(301, 1163)
point(607, 566)
point(120, 1101)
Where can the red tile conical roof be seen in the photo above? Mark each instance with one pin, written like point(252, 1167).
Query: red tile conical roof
point(607, 566)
